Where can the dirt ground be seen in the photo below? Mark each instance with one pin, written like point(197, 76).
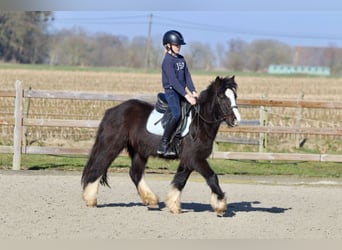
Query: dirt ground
point(48, 205)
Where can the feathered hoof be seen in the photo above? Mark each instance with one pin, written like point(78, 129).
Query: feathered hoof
point(173, 201)
point(90, 202)
point(148, 198)
point(152, 202)
point(90, 193)
point(173, 207)
point(219, 206)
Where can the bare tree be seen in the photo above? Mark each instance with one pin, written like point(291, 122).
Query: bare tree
point(136, 52)
point(333, 59)
point(200, 56)
point(236, 55)
point(220, 54)
point(107, 50)
point(70, 47)
point(262, 53)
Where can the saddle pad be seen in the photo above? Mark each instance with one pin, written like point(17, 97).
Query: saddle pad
point(157, 129)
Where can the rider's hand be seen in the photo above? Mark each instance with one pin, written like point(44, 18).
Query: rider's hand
point(190, 99)
point(194, 94)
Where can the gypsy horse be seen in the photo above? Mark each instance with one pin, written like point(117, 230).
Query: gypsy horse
point(124, 126)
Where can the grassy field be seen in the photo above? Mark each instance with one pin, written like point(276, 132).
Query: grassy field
point(155, 165)
point(106, 80)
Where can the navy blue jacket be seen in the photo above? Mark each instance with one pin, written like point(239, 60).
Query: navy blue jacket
point(175, 74)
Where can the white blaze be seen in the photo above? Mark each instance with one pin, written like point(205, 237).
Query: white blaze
point(230, 94)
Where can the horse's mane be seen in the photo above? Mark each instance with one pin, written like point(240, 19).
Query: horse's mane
point(219, 85)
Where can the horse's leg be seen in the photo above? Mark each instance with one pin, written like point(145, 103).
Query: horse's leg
point(173, 197)
point(106, 148)
point(218, 198)
point(91, 186)
point(137, 175)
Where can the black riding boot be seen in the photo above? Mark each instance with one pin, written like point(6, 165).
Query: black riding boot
point(163, 148)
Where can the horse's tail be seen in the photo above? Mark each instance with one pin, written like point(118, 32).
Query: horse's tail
point(110, 140)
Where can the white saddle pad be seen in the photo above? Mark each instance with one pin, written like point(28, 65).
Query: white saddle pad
point(154, 124)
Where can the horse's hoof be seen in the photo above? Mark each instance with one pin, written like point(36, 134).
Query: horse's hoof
point(219, 206)
point(176, 211)
point(173, 201)
point(151, 201)
point(92, 203)
point(153, 206)
point(220, 213)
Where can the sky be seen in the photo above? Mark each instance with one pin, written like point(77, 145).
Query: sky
point(295, 22)
point(293, 27)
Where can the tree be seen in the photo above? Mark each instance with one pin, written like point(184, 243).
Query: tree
point(108, 50)
point(70, 47)
point(236, 56)
point(262, 53)
point(23, 36)
point(200, 56)
point(333, 59)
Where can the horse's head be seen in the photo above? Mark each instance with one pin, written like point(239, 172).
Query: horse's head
point(222, 91)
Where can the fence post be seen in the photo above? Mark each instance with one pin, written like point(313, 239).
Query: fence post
point(18, 108)
point(26, 107)
point(263, 116)
point(299, 119)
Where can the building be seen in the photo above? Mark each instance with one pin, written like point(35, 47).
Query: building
point(305, 70)
point(311, 61)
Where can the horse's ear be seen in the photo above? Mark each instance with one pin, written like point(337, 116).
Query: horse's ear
point(217, 78)
point(233, 77)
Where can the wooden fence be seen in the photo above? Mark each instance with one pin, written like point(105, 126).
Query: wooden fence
point(20, 122)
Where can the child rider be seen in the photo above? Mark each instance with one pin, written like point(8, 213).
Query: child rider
point(177, 84)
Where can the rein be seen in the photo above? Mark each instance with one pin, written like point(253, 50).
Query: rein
point(197, 111)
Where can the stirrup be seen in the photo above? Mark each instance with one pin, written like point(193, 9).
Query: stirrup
point(162, 149)
point(170, 153)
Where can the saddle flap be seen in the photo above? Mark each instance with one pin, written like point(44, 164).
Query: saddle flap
point(160, 115)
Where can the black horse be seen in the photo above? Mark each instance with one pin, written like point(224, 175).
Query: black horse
point(124, 126)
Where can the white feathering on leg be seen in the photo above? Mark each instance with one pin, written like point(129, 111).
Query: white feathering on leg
point(173, 200)
point(146, 195)
point(90, 193)
point(219, 206)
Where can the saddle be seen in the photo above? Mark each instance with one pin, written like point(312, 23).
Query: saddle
point(160, 116)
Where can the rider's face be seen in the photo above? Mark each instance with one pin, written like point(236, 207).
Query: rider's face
point(176, 48)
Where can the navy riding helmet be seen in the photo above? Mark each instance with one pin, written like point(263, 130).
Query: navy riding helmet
point(173, 37)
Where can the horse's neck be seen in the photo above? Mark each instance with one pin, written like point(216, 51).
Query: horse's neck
point(207, 122)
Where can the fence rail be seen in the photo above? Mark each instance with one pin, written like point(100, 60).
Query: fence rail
point(252, 126)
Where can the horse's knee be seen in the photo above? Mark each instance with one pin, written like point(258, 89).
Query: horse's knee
point(219, 205)
point(90, 193)
point(146, 195)
point(173, 200)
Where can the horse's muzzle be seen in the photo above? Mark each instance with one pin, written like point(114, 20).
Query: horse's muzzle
point(237, 119)
point(235, 123)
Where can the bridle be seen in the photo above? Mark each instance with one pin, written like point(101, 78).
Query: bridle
point(219, 120)
point(197, 111)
